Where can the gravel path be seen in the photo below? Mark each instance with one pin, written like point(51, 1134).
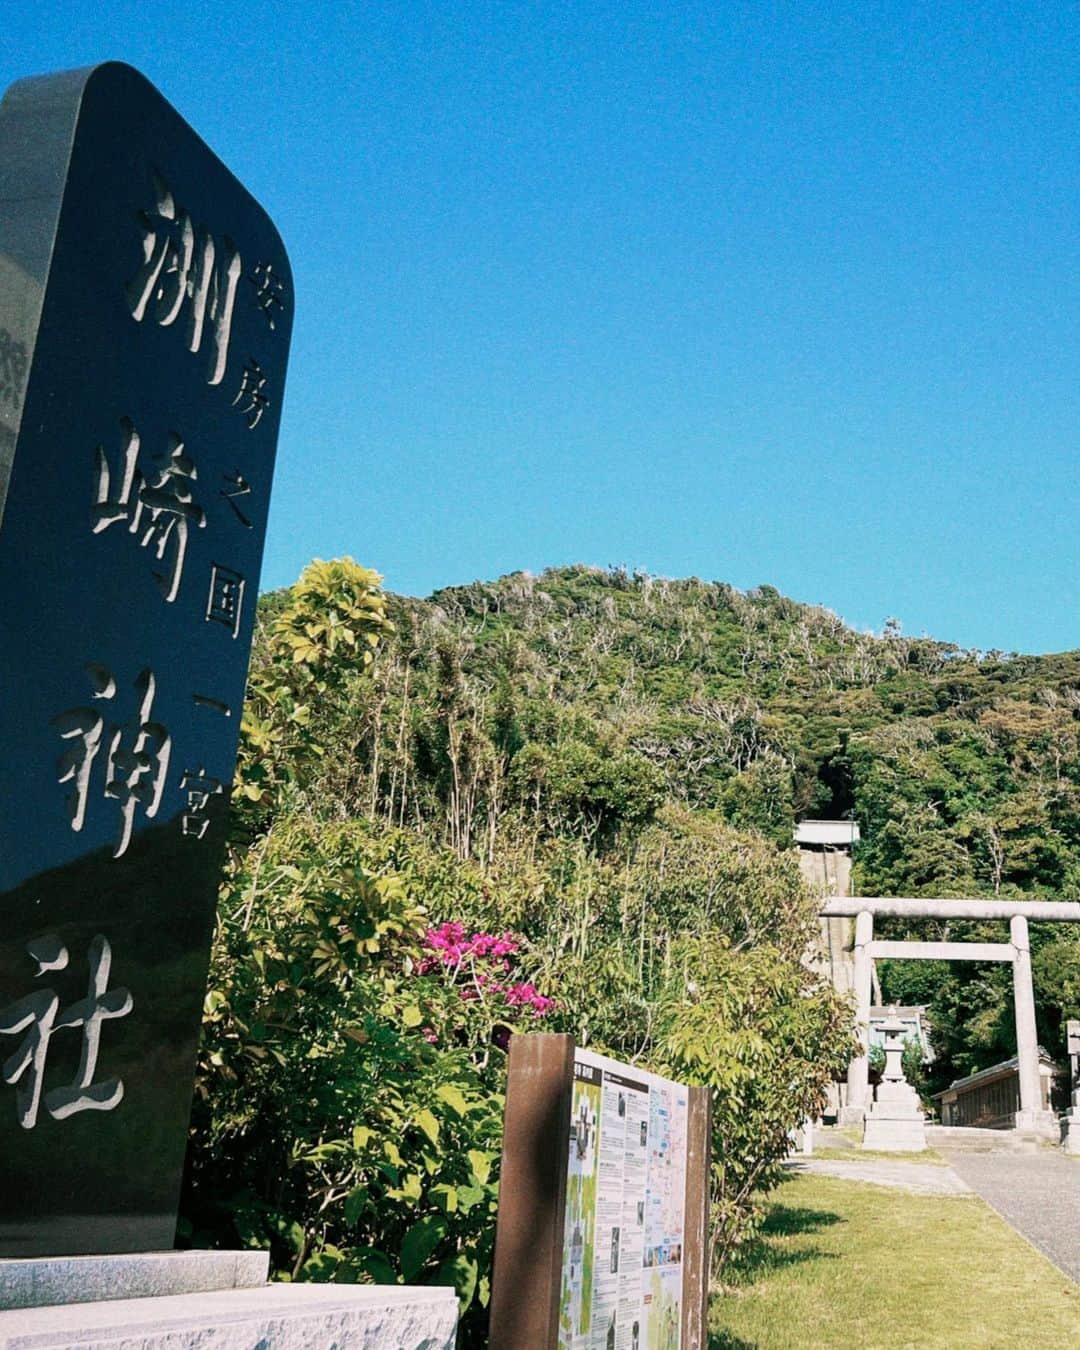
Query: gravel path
point(1037, 1193)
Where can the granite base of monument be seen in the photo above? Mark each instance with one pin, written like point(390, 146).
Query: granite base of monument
point(1070, 1131)
point(48, 1281)
point(272, 1316)
point(894, 1134)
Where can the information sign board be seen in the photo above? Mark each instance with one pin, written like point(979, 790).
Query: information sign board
point(622, 1274)
point(604, 1200)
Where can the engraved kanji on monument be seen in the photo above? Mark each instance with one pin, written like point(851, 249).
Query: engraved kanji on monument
point(145, 310)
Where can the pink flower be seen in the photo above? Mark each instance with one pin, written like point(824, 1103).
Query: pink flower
point(486, 959)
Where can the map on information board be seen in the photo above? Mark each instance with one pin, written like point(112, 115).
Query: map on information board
point(622, 1272)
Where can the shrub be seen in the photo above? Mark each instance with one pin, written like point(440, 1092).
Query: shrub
point(364, 979)
point(767, 1036)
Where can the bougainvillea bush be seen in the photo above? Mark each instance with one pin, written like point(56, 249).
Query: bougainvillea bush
point(349, 1095)
point(480, 967)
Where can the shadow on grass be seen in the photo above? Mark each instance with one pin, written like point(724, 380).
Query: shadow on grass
point(766, 1253)
point(789, 1220)
point(724, 1340)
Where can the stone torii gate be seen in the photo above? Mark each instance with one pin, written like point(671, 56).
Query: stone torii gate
point(1017, 950)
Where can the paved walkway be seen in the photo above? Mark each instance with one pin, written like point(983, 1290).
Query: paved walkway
point(1037, 1193)
point(1034, 1188)
point(921, 1178)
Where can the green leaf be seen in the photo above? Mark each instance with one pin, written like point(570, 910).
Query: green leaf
point(419, 1242)
point(375, 1263)
point(453, 1097)
point(460, 1272)
point(355, 1202)
point(321, 1266)
point(360, 1137)
point(469, 1196)
point(427, 1122)
point(289, 1231)
point(323, 1152)
point(446, 1196)
point(481, 1165)
point(412, 1016)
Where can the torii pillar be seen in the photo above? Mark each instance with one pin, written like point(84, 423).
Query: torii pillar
point(858, 1074)
point(1032, 1112)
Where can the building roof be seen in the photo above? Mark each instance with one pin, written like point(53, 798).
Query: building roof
point(837, 833)
point(994, 1071)
point(914, 1015)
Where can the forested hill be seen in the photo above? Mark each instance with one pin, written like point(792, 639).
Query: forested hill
point(580, 708)
point(583, 697)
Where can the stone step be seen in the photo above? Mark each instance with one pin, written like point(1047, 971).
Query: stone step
point(286, 1316)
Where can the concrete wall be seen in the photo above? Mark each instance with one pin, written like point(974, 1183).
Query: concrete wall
point(829, 872)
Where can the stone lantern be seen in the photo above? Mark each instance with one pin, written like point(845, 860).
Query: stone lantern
point(1070, 1121)
point(895, 1122)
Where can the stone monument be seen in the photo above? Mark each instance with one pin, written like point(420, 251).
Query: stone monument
point(145, 310)
point(894, 1122)
point(146, 305)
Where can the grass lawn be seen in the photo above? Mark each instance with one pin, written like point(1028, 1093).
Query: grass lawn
point(856, 1153)
point(846, 1264)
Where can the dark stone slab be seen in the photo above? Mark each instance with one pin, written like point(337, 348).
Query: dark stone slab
point(145, 311)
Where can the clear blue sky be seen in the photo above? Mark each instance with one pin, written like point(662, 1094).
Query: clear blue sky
point(759, 292)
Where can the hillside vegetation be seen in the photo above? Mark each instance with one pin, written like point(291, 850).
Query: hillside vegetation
point(579, 696)
point(582, 703)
